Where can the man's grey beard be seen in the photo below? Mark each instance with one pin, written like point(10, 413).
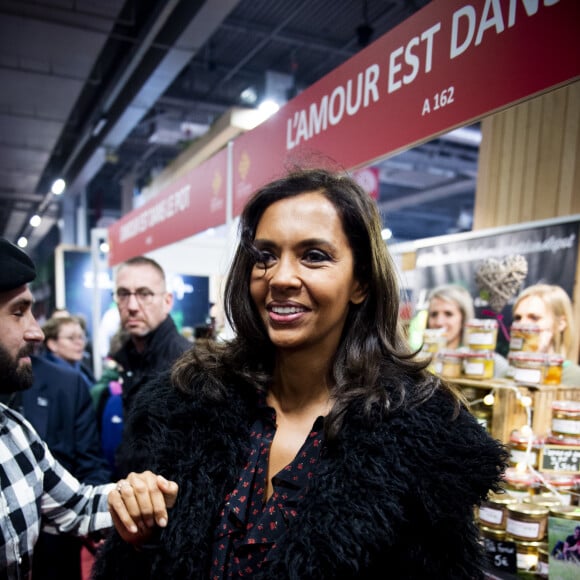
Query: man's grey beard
point(13, 376)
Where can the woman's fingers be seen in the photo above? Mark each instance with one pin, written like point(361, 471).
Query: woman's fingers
point(139, 502)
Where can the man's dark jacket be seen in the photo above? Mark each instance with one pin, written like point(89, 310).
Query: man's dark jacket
point(163, 346)
point(60, 408)
point(391, 497)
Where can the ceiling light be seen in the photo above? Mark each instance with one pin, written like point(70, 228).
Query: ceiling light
point(249, 96)
point(35, 220)
point(58, 186)
point(386, 234)
point(22, 242)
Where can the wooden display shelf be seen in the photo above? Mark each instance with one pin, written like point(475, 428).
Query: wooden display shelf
point(507, 412)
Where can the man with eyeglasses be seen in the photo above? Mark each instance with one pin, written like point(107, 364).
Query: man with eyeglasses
point(153, 342)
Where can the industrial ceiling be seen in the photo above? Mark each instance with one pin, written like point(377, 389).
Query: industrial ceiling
point(105, 94)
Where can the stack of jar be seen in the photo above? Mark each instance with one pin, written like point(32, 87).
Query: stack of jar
point(481, 338)
point(523, 516)
point(540, 507)
point(562, 442)
point(477, 362)
point(528, 365)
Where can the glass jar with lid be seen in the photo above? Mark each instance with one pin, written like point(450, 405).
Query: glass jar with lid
point(520, 483)
point(527, 554)
point(492, 512)
point(524, 337)
point(519, 443)
point(481, 333)
point(566, 418)
point(527, 367)
point(563, 484)
point(478, 364)
point(449, 363)
point(543, 567)
point(527, 522)
point(553, 371)
point(433, 339)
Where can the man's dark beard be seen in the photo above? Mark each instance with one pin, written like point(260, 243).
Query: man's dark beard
point(14, 377)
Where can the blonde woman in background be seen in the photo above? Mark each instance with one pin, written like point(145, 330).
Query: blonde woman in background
point(549, 307)
point(450, 307)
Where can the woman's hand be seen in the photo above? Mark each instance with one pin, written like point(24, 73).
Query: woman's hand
point(139, 503)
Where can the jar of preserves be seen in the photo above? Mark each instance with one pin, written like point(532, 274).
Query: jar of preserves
point(547, 500)
point(543, 561)
point(520, 484)
point(493, 513)
point(525, 337)
point(481, 334)
point(527, 522)
point(491, 533)
point(566, 512)
point(518, 445)
point(448, 363)
point(434, 339)
point(566, 418)
point(553, 370)
point(563, 484)
point(527, 367)
point(527, 554)
point(478, 364)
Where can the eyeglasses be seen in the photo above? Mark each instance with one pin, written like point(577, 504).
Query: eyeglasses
point(143, 295)
point(74, 338)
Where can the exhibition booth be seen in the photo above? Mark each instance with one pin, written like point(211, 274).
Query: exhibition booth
point(513, 65)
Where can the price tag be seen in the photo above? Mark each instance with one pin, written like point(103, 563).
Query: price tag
point(560, 458)
point(501, 555)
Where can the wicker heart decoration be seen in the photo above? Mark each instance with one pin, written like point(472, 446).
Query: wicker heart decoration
point(499, 281)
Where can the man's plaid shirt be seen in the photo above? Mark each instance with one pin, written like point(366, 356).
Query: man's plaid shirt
point(36, 491)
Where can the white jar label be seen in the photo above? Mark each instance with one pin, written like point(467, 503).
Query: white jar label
point(480, 338)
point(474, 368)
point(518, 456)
point(523, 529)
point(526, 562)
point(490, 515)
point(516, 343)
point(528, 375)
point(566, 426)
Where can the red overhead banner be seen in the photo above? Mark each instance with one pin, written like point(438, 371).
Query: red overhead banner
point(449, 64)
point(193, 203)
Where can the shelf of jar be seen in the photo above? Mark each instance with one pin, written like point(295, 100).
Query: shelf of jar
point(511, 400)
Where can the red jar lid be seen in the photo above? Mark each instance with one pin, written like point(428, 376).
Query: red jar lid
point(572, 407)
point(525, 356)
point(519, 437)
point(526, 327)
point(485, 323)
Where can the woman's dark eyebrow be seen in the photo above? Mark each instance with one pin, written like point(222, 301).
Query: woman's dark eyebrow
point(263, 242)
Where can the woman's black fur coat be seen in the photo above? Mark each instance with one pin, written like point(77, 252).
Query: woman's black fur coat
point(392, 497)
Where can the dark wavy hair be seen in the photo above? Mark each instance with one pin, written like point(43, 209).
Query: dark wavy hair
point(373, 364)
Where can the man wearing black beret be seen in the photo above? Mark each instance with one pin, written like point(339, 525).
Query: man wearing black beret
point(16, 268)
point(36, 490)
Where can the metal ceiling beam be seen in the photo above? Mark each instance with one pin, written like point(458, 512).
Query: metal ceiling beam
point(428, 196)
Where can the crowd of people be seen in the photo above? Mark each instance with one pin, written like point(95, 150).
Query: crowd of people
point(315, 443)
